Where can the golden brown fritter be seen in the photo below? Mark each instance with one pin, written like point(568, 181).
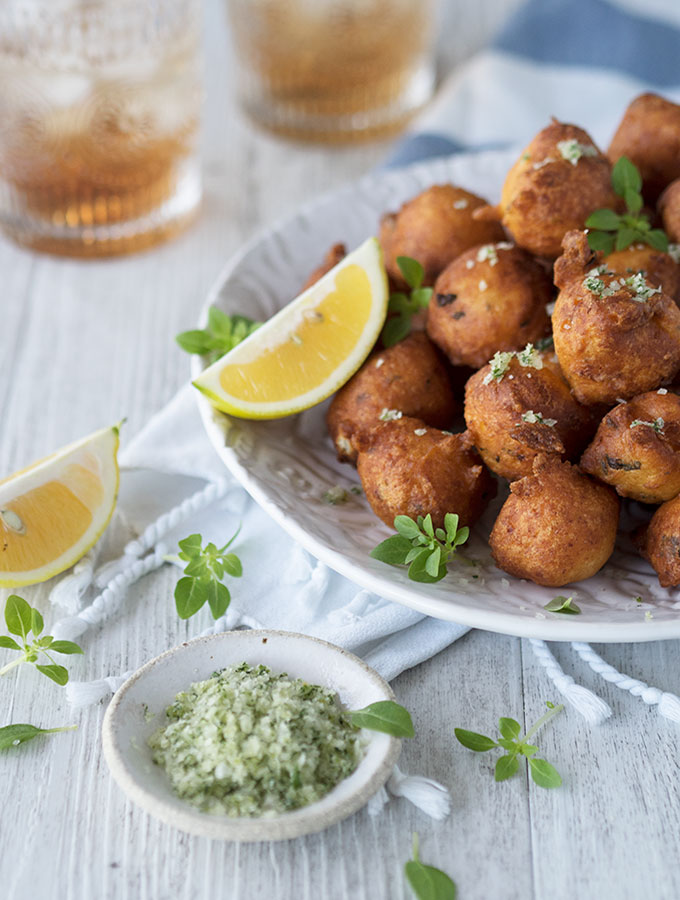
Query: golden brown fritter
point(578, 259)
point(434, 228)
point(660, 268)
point(559, 179)
point(659, 542)
point(637, 448)
point(490, 298)
point(335, 255)
point(557, 526)
point(669, 209)
point(409, 469)
point(649, 135)
point(409, 377)
point(615, 336)
point(524, 413)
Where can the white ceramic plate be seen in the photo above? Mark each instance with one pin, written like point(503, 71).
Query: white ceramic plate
point(287, 465)
point(138, 710)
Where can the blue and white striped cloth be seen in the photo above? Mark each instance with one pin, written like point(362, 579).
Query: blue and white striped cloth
point(581, 61)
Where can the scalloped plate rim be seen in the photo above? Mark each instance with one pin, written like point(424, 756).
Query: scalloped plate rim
point(564, 628)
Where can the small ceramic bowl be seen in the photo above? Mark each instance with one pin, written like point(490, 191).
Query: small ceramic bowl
point(138, 710)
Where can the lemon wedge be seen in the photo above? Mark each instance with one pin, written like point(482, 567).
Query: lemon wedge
point(308, 349)
point(52, 512)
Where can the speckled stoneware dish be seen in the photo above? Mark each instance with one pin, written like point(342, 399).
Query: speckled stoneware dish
point(138, 710)
point(287, 465)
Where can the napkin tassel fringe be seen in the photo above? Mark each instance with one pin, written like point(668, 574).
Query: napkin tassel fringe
point(593, 709)
point(667, 704)
point(110, 599)
point(428, 795)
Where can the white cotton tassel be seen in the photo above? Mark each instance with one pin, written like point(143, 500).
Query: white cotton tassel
point(157, 530)
point(108, 602)
point(668, 704)
point(593, 709)
point(429, 796)
point(87, 693)
point(68, 593)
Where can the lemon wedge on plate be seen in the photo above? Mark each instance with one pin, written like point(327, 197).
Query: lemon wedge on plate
point(52, 512)
point(308, 349)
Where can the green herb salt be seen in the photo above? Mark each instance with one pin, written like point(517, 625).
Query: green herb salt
point(246, 742)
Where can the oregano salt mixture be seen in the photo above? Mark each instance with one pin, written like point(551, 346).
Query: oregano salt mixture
point(246, 742)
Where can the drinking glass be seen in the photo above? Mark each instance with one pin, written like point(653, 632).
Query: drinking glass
point(332, 70)
point(99, 118)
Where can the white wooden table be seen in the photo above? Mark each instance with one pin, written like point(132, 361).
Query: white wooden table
point(83, 344)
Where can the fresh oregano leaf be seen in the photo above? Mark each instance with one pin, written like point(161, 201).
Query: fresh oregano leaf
point(64, 647)
point(394, 550)
point(190, 595)
point(657, 239)
point(406, 527)
point(411, 270)
point(386, 716)
point(606, 219)
point(625, 176)
point(55, 672)
point(600, 240)
point(544, 774)
point(480, 743)
point(395, 330)
point(9, 643)
point(13, 735)
point(18, 616)
point(562, 604)
point(506, 766)
point(509, 728)
point(427, 882)
point(37, 623)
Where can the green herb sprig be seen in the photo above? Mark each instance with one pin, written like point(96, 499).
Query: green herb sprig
point(611, 231)
point(13, 735)
point(427, 883)
point(222, 334)
point(23, 620)
point(562, 604)
point(203, 574)
point(425, 550)
point(543, 773)
point(386, 716)
point(402, 307)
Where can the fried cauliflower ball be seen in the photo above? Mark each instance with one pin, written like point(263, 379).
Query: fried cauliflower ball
point(490, 298)
point(669, 209)
point(637, 448)
point(557, 526)
point(409, 377)
point(649, 135)
point(659, 542)
point(409, 469)
point(434, 228)
point(615, 336)
point(559, 179)
point(335, 255)
point(524, 412)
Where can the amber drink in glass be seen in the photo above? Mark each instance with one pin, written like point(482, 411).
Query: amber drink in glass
point(332, 70)
point(99, 118)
